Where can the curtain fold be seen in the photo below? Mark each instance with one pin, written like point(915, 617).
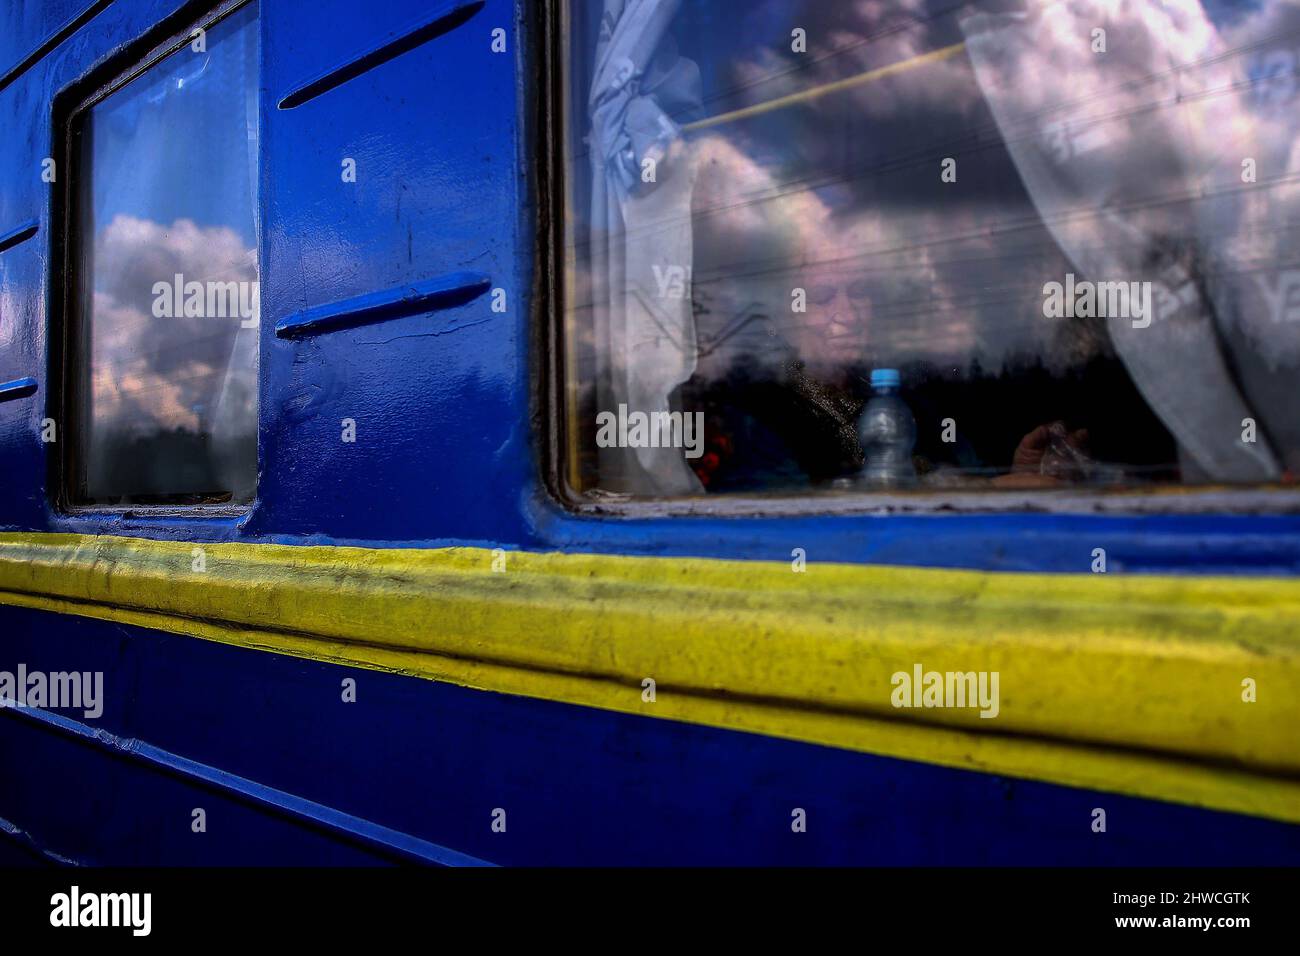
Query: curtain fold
point(641, 234)
point(1101, 149)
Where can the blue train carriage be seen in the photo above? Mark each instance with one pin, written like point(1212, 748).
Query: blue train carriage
point(648, 431)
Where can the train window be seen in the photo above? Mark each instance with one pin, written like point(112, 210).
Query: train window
point(165, 278)
point(928, 245)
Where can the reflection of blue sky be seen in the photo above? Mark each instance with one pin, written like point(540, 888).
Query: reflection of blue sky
point(1227, 12)
point(175, 142)
point(171, 161)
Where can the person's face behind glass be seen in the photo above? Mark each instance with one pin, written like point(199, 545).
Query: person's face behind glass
point(832, 337)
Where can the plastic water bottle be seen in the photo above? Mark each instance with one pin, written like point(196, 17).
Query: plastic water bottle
point(887, 432)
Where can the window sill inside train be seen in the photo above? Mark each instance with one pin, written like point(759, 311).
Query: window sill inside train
point(1217, 500)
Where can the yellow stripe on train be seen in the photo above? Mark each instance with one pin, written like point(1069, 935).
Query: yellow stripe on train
point(1177, 688)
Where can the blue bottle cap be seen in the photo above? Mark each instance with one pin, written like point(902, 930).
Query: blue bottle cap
point(885, 378)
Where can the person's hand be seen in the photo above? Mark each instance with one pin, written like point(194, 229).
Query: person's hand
point(1045, 457)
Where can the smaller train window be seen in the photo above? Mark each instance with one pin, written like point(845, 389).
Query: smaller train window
point(163, 278)
point(929, 247)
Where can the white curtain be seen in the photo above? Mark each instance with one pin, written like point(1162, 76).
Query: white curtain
point(1101, 141)
point(641, 239)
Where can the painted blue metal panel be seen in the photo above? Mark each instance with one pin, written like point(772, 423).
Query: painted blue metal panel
point(29, 30)
point(446, 450)
point(18, 388)
point(444, 292)
point(578, 785)
point(139, 763)
point(437, 190)
point(19, 234)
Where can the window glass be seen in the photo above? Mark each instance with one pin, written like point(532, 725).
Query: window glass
point(167, 278)
point(924, 245)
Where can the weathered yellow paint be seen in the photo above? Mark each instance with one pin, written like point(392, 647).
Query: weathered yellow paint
point(1126, 684)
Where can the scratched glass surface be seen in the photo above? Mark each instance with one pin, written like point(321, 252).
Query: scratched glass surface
point(168, 278)
point(1069, 227)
